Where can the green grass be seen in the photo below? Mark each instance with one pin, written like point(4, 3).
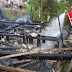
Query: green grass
point(28, 9)
point(10, 14)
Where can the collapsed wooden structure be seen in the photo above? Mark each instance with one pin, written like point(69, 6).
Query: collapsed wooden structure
point(23, 31)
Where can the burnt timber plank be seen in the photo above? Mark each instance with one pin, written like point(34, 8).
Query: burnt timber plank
point(10, 48)
point(41, 37)
point(11, 27)
point(3, 53)
point(51, 56)
point(67, 30)
point(27, 64)
point(10, 69)
point(20, 63)
point(34, 52)
point(23, 23)
point(45, 57)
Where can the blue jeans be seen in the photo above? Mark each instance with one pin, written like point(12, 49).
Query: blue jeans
point(69, 29)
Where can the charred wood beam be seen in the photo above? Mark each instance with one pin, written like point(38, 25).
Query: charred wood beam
point(23, 23)
point(27, 64)
point(46, 57)
point(31, 53)
point(38, 42)
point(7, 44)
point(0, 37)
point(52, 56)
point(7, 38)
point(10, 35)
point(3, 53)
point(19, 63)
point(24, 39)
point(10, 69)
point(5, 23)
point(9, 48)
point(11, 27)
point(67, 30)
point(30, 41)
point(43, 41)
point(37, 37)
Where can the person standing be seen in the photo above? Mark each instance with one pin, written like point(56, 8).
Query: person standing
point(15, 7)
point(11, 3)
point(70, 20)
point(24, 9)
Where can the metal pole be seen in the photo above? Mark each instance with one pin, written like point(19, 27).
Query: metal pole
point(60, 41)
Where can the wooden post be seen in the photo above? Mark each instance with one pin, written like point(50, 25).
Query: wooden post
point(24, 40)
point(30, 41)
point(27, 39)
point(60, 43)
point(0, 37)
point(43, 41)
point(7, 38)
point(38, 41)
point(14, 30)
point(58, 65)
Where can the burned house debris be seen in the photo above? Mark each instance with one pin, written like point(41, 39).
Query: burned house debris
point(20, 47)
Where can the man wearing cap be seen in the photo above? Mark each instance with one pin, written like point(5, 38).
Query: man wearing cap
point(70, 19)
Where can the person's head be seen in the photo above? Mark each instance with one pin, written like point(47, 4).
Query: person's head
point(24, 4)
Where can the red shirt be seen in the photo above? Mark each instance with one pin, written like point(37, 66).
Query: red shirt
point(70, 16)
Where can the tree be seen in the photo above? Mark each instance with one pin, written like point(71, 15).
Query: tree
point(63, 5)
point(44, 7)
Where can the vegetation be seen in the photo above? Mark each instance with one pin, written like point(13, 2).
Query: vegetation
point(9, 13)
point(44, 8)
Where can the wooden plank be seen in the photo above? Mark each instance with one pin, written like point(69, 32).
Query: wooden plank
point(67, 30)
point(47, 56)
point(34, 52)
point(10, 48)
point(27, 64)
point(8, 52)
point(29, 36)
point(20, 23)
point(19, 63)
point(10, 69)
